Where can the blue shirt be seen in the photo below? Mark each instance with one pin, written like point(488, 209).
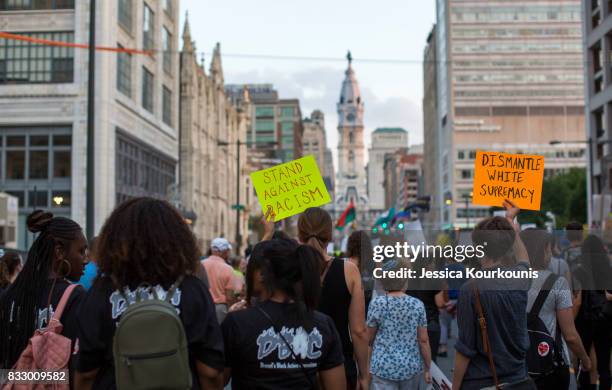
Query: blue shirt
point(396, 355)
point(89, 274)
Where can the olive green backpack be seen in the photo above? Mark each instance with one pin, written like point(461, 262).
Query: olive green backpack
point(150, 347)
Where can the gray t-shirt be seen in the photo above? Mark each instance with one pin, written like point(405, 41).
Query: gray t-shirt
point(558, 266)
point(503, 302)
point(560, 297)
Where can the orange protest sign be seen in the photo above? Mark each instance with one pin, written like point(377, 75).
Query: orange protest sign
point(517, 177)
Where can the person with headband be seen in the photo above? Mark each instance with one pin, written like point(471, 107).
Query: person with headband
point(287, 344)
point(342, 296)
point(55, 260)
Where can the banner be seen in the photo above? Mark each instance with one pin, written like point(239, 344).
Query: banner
point(516, 177)
point(290, 188)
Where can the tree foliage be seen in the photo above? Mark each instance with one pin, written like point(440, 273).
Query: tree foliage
point(565, 196)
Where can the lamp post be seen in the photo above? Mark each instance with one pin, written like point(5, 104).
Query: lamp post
point(238, 206)
point(466, 198)
point(589, 142)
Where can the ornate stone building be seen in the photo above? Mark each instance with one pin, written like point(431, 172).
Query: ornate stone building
point(211, 131)
point(350, 183)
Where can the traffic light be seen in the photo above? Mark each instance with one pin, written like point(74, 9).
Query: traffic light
point(400, 226)
point(384, 225)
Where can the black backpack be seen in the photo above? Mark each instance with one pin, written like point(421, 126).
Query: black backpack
point(544, 354)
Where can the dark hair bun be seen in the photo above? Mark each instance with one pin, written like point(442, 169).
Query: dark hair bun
point(38, 221)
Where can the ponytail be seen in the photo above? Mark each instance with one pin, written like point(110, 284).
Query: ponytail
point(309, 261)
point(315, 229)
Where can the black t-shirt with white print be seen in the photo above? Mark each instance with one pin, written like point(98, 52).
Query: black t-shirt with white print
point(102, 310)
point(260, 359)
point(71, 310)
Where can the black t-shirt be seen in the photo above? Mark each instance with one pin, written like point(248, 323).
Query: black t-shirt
point(428, 297)
point(71, 310)
point(260, 359)
point(102, 310)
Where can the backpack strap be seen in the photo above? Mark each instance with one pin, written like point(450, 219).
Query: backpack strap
point(63, 301)
point(542, 295)
point(485, 336)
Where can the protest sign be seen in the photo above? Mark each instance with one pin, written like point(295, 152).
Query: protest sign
point(439, 381)
point(517, 177)
point(290, 188)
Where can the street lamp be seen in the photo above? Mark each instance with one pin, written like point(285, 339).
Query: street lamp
point(238, 206)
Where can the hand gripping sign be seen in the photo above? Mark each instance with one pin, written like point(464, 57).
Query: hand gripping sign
point(517, 177)
point(290, 188)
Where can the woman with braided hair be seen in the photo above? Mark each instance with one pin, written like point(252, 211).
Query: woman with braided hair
point(56, 258)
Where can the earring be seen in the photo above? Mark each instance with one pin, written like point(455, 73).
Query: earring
point(69, 267)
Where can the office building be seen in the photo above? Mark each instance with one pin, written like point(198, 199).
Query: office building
point(598, 95)
point(43, 106)
point(384, 140)
point(508, 78)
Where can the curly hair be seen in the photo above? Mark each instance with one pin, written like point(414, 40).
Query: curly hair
point(496, 235)
point(146, 240)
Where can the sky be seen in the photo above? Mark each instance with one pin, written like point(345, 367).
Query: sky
point(325, 29)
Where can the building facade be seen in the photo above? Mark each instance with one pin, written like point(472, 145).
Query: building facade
point(314, 143)
point(508, 78)
point(384, 140)
point(350, 183)
point(401, 174)
point(43, 106)
point(598, 95)
point(432, 141)
point(276, 127)
point(213, 177)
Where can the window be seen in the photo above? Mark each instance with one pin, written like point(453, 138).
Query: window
point(264, 125)
point(287, 111)
point(287, 128)
point(264, 112)
point(15, 164)
point(141, 170)
point(147, 89)
point(148, 39)
point(28, 62)
point(472, 154)
point(167, 106)
point(167, 48)
point(61, 164)
point(18, 5)
point(39, 164)
point(167, 4)
point(461, 155)
point(466, 174)
point(38, 199)
point(125, 14)
point(124, 73)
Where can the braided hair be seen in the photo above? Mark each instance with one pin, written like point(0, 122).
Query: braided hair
point(19, 304)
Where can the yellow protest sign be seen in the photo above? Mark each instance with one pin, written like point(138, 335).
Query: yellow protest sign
point(517, 177)
point(290, 188)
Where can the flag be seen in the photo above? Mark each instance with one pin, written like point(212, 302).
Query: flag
point(400, 215)
point(385, 218)
point(347, 217)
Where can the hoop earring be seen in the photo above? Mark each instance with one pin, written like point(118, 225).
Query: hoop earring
point(69, 268)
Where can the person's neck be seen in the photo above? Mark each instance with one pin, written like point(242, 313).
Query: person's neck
point(396, 293)
point(279, 297)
